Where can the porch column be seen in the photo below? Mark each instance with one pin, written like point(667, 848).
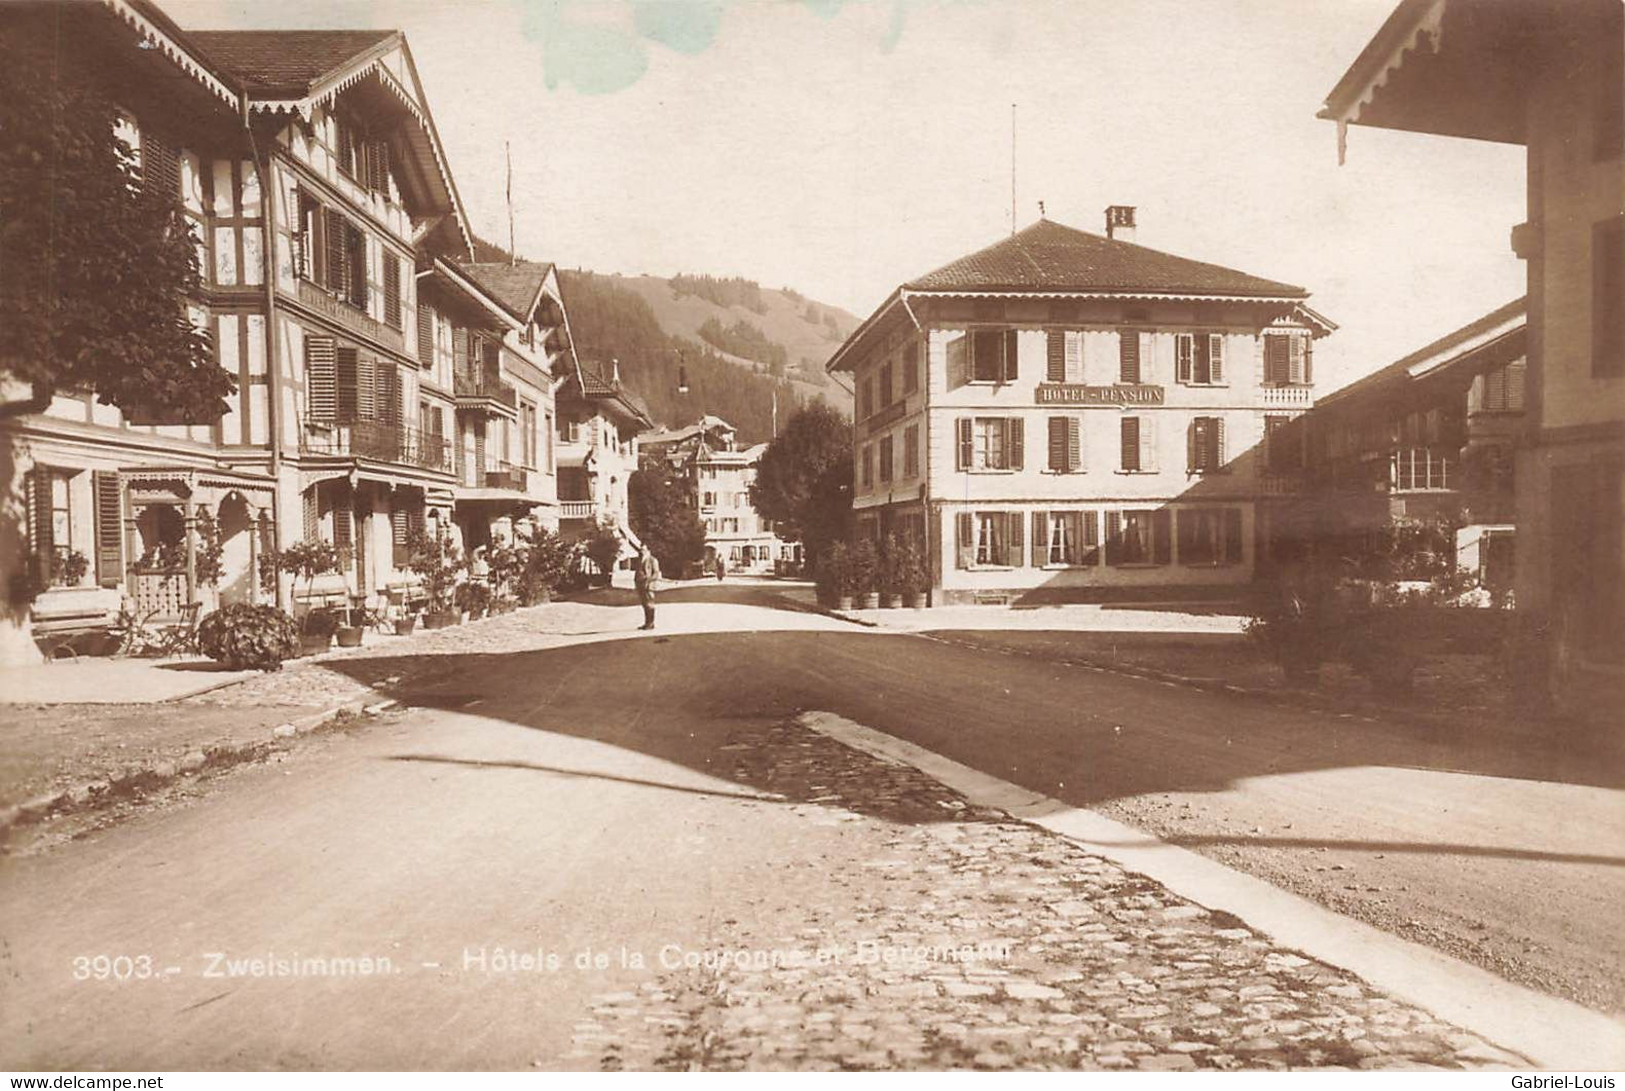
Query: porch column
point(189, 509)
point(254, 559)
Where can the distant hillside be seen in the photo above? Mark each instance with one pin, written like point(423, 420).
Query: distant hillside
point(611, 322)
point(777, 331)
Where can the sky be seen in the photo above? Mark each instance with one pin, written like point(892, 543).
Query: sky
point(841, 147)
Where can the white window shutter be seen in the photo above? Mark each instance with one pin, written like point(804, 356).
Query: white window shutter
point(1074, 443)
point(1148, 442)
point(1184, 350)
point(1074, 356)
point(1148, 359)
point(1215, 352)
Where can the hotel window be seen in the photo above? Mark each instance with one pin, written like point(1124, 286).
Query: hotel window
point(1132, 346)
point(1063, 361)
point(1209, 536)
point(989, 538)
point(392, 291)
point(993, 356)
point(911, 368)
point(868, 460)
point(1139, 537)
point(1288, 359)
point(1205, 445)
point(990, 443)
point(1066, 538)
point(911, 451)
point(885, 386)
point(1199, 358)
point(1065, 445)
point(1608, 298)
point(886, 459)
point(1139, 444)
point(1503, 389)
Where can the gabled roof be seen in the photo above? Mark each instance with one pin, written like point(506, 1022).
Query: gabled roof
point(1496, 338)
point(1051, 257)
point(286, 63)
point(517, 286)
point(591, 385)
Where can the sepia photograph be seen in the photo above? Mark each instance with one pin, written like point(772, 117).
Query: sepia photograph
point(633, 536)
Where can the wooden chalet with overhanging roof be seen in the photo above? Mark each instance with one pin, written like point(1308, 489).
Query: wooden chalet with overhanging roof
point(1070, 416)
point(599, 421)
point(1548, 75)
point(387, 383)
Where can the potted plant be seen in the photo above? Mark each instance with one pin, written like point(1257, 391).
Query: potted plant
point(830, 578)
point(244, 637)
point(473, 598)
point(405, 625)
point(913, 574)
point(863, 565)
point(438, 561)
point(548, 561)
point(312, 558)
point(891, 573)
point(316, 631)
point(348, 636)
point(507, 568)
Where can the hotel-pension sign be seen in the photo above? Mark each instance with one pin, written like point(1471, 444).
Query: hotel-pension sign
point(1118, 394)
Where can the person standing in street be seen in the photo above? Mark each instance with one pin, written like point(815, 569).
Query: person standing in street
point(722, 568)
point(648, 572)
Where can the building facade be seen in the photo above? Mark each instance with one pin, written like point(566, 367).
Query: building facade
point(1070, 416)
point(1548, 75)
point(717, 475)
point(599, 420)
point(387, 384)
point(1430, 437)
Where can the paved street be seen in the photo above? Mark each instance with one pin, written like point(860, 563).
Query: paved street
point(596, 789)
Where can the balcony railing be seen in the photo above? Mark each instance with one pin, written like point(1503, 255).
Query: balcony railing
point(471, 385)
point(505, 475)
point(1420, 469)
point(1287, 395)
point(380, 442)
point(576, 509)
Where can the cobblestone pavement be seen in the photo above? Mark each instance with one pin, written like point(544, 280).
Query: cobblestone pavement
point(1059, 959)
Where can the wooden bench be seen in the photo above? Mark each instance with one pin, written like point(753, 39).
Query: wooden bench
point(74, 619)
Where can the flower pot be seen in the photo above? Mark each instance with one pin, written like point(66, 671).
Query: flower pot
point(916, 600)
point(891, 601)
point(438, 619)
point(870, 601)
point(315, 645)
point(405, 625)
point(349, 636)
point(843, 602)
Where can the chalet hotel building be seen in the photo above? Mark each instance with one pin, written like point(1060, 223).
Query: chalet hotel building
point(1070, 416)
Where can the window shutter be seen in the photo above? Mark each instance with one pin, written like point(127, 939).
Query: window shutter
point(321, 380)
point(42, 537)
point(1295, 367)
point(1091, 529)
point(1218, 443)
point(1114, 537)
point(425, 336)
point(337, 278)
point(378, 166)
point(355, 245)
point(1308, 358)
point(1074, 443)
point(312, 516)
point(1055, 359)
point(1012, 356)
point(1057, 444)
point(392, 290)
point(1074, 356)
point(1161, 530)
point(1015, 551)
point(1016, 431)
point(1040, 539)
point(1215, 357)
point(967, 443)
point(965, 539)
point(343, 528)
point(1131, 443)
point(109, 527)
point(1184, 350)
point(366, 387)
point(1277, 358)
point(1515, 381)
point(1193, 446)
point(1148, 443)
point(160, 168)
point(1128, 356)
point(348, 368)
point(387, 384)
point(1232, 535)
point(1147, 358)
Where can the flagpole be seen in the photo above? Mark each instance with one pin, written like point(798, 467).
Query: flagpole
point(507, 147)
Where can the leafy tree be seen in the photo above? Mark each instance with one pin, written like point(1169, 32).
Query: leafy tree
point(96, 267)
point(804, 479)
point(662, 517)
point(603, 546)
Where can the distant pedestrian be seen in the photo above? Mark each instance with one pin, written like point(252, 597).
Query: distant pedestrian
point(647, 573)
point(722, 568)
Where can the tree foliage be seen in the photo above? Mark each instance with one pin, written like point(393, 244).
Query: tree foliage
point(662, 517)
point(743, 339)
point(804, 479)
point(96, 270)
point(723, 291)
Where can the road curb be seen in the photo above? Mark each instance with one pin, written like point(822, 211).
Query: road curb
point(137, 778)
point(1550, 1032)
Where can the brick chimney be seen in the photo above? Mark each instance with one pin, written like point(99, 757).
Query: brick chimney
point(1120, 222)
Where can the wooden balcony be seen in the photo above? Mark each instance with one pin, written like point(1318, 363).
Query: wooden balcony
point(1299, 397)
point(578, 509)
point(483, 391)
point(377, 441)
